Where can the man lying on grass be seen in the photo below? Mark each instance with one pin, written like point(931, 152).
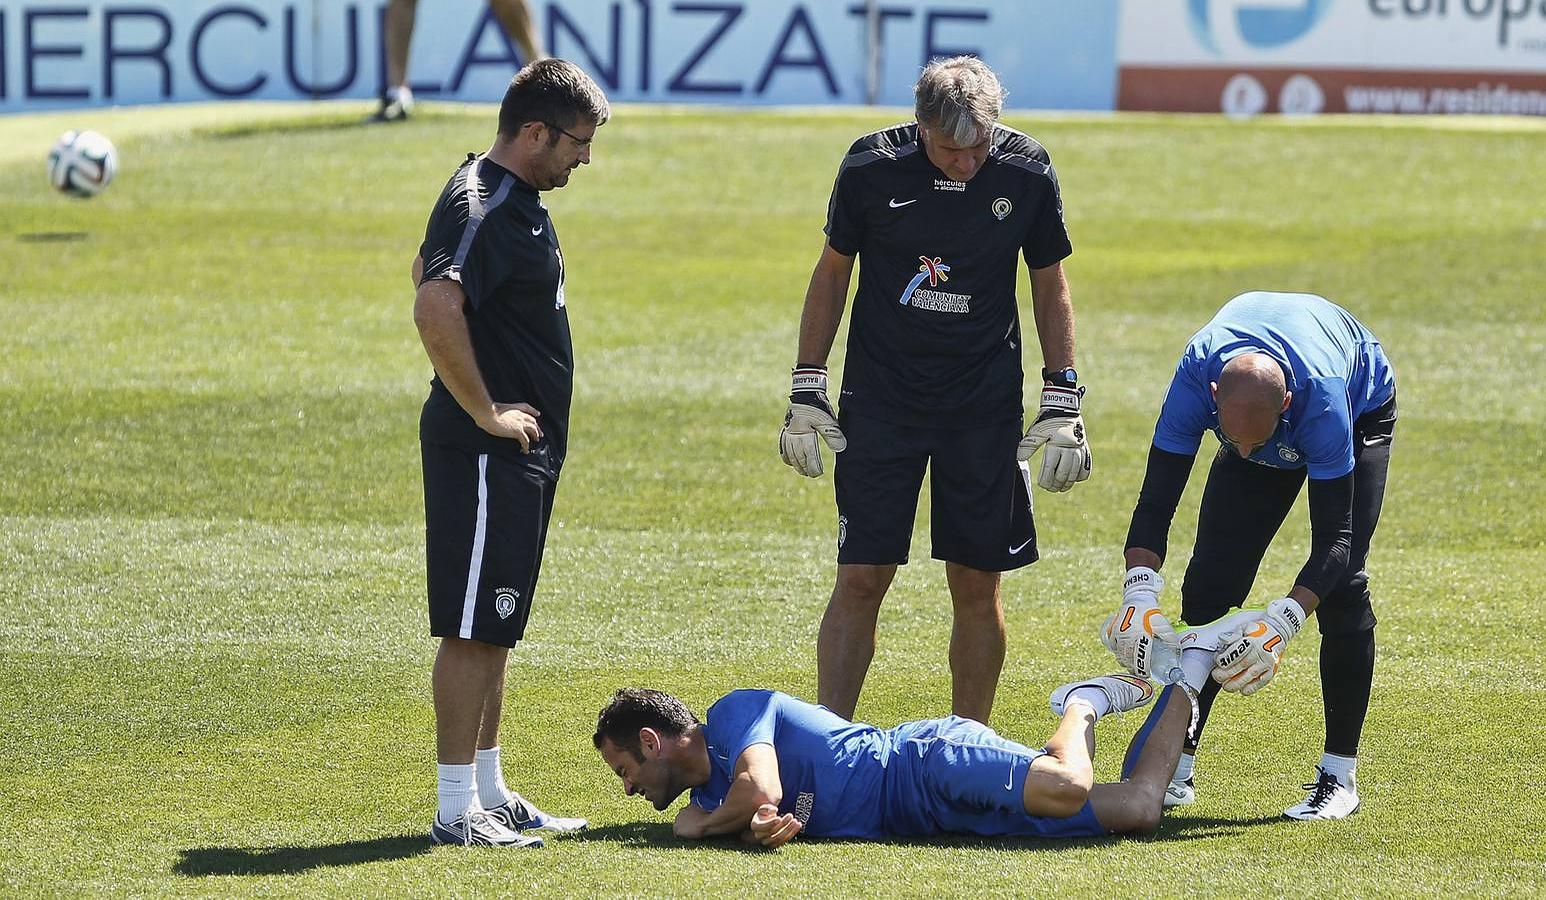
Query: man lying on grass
point(767, 766)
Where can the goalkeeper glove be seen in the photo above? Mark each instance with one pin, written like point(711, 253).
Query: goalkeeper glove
point(1132, 632)
point(1060, 427)
point(1248, 655)
point(809, 414)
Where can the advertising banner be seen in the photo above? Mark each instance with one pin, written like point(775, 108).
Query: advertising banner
point(1244, 57)
point(58, 53)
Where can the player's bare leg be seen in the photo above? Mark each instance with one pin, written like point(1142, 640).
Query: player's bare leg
point(465, 673)
point(1134, 805)
point(515, 16)
point(493, 709)
point(846, 643)
point(976, 640)
point(398, 28)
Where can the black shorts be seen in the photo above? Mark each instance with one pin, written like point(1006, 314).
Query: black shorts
point(979, 494)
point(485, 522)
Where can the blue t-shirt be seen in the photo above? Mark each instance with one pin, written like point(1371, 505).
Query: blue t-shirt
point(832, 769)
point(1332, 364)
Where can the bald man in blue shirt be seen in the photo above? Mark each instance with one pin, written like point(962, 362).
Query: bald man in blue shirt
point(1295, 389)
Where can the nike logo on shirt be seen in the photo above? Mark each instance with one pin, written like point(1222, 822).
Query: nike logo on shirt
point(896, 205)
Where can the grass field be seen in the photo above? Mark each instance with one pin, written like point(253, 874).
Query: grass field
point(213, 651)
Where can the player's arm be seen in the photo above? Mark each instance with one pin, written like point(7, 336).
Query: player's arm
point(755, 783)
point(437, 311)
point(825, 299)
point(810, 412)
point(1059, 782)
point(1053, 308)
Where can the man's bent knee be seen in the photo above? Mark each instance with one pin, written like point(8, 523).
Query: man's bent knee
point(862, 585)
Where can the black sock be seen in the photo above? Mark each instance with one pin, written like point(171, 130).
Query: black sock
point(1347, 672)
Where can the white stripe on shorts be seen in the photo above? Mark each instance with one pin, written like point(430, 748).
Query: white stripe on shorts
point(475, 567)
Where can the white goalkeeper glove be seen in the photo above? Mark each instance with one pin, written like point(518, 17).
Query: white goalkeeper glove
point(809, 414)
point(1132, 632)
point(1060, 427)
point(1248, 654)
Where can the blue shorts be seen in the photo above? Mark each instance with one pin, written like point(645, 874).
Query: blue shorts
point(958, 776)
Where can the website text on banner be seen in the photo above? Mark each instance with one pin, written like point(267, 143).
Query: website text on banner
point(1302, 57)
point(1050, 54)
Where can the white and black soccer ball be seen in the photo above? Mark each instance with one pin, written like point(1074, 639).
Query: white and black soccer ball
point(82, 163)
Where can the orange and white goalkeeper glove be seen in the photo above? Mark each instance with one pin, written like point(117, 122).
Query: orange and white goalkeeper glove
point(1133, 630)
point(1248, 655)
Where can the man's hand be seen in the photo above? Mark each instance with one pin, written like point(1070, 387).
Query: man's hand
point(1248, 655)
point(773, 830)
point(513, 420)
point(1133, 630)
point(1060, 428)
point(689, 823)
point(809, 415)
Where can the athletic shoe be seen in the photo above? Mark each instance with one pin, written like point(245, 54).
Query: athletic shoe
point(474, 828)
point(1328, 799)
point(1126, 692)
point(395, 107)
point(520, 815)
point(1180, 793)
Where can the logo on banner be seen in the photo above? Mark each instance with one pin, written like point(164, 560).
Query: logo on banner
point(1258, 24)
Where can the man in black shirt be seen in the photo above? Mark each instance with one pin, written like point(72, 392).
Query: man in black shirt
point(940, 211)
point(490, 311)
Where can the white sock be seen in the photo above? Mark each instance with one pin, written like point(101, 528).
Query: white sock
point(1184, 767)
point(458, 791)
point(1196, 663)
point(1345, 768)
point(491, 779)
point(1093, 696)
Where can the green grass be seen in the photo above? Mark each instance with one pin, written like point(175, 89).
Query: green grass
point(213, 651)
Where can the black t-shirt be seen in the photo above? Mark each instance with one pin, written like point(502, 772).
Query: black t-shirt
point(490, 233)
point(935, 334)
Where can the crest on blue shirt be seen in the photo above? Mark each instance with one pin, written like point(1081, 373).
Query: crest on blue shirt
point(1289, 454)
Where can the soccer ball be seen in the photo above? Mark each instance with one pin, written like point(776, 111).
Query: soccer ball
point(82, 163)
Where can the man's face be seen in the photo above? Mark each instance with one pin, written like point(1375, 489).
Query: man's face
point(560, 151)
point(1246, 428)
point(652, 777)
point(958, 162)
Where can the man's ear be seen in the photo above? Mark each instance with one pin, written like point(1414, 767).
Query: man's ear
point(1213, 391)
point(1288, 397)
point(649, 742)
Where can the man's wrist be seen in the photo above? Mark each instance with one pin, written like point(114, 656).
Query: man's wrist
point(808, 377)
point(1287, 616)
point(1142, 580)
point(1065, 377)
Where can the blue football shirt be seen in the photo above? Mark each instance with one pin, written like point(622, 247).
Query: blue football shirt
point(1334, 366)
point(832, 769)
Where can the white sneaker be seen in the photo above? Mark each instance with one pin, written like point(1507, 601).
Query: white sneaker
point(1328, 799)
point(520, 815)
point(474, 828)
point(1180, 793)
point(1126, 692)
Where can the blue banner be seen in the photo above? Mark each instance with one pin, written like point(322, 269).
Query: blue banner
point(57, 53)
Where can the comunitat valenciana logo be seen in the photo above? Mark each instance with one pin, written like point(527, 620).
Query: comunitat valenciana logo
point(1223, 25)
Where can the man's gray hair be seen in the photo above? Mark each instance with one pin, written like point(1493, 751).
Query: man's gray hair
point(960, 98)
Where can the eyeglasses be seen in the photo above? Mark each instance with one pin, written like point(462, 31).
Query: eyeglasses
point(579, 141)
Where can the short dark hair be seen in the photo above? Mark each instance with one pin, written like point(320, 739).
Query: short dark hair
point(554, 91)
point(631, 709)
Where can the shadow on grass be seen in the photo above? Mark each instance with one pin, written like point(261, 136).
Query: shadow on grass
point(52, 237)
point(202, 861)
point(658, 834)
